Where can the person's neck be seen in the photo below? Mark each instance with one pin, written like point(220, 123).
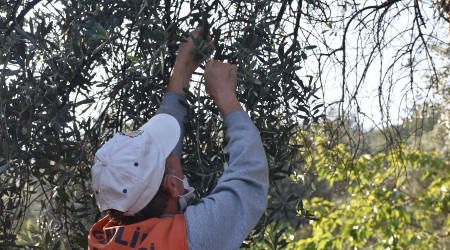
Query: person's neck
point(172, 207)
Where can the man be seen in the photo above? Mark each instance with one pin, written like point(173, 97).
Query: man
point(138, 178)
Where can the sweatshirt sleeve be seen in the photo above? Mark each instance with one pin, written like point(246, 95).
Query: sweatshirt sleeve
point(176, 106)
point(223, 219)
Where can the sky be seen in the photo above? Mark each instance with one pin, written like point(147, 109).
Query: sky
point(396, 98)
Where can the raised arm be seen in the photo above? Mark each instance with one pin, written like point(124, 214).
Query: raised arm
point(174, 101)
point(185, 65)
point(223, 219)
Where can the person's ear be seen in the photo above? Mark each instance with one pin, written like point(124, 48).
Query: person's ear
point(171, 186)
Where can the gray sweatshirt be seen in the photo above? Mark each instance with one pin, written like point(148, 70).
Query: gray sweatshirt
point(223, 219)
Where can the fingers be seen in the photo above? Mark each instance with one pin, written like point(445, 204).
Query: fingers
point(196, 32)
point(194, 41)
point(192, 50)
point(220, 73)
point(220, 69)
point(212, 63)
point(220, 84)
point(186, 36)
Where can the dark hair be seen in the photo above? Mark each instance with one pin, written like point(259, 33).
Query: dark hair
point(154, 209)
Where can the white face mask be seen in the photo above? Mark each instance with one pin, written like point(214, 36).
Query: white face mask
point(188, 196)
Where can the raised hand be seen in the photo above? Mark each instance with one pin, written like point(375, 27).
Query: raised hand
point(187, 61)
point(220, 84)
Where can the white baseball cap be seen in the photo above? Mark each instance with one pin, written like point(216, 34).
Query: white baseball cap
point(128, 169)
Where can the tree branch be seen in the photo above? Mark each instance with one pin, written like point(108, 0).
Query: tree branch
point(21, 16)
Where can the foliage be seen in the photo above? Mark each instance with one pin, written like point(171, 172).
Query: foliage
point(397, 199)
point(74, 73)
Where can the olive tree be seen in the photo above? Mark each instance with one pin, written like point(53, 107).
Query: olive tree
point(75, 72)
